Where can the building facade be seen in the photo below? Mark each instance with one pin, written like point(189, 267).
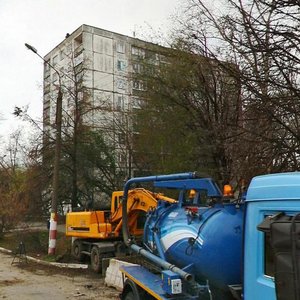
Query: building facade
point(96, 67)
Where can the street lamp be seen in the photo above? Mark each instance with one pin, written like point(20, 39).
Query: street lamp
point(55, 178)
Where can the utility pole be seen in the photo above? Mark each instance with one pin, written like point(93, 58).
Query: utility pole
point(55, 179)
point(56, 165)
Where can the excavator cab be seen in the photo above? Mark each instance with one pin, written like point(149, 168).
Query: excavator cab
point(116, 200)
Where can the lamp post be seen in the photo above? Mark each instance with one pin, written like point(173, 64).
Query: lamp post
point(56, 165)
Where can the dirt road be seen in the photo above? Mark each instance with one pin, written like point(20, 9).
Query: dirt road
point(31, 281)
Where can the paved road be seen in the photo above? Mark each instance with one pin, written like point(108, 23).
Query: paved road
point(29, 281)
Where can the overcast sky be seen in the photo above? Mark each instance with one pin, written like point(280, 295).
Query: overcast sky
point(44, 24)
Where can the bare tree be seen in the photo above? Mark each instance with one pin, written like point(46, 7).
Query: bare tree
point(21, 185)
point(262, 39)
point(189, 119)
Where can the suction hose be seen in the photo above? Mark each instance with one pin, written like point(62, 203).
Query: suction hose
point(126, 235)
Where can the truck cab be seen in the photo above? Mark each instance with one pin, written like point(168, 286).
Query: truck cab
point(272, 203)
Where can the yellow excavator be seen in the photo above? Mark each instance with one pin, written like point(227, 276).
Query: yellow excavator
point(98, 234)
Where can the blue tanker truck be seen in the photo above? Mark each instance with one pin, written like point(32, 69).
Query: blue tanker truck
point(206, 246)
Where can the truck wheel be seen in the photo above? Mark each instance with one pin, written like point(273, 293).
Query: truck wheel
point(76, 250)
point(132, 291)
point(129, 296)
point(96, 260)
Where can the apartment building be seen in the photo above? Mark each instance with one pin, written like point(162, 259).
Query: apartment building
point(98, 68)
point(96, 65)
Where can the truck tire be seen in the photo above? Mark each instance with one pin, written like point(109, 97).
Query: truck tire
point(129, 296)
point(132, 291)
point(96, 260)
point(76, 250)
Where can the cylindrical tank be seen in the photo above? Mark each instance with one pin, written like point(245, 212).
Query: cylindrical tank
point(206, 241)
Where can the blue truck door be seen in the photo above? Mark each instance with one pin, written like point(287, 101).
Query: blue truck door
point(258, 268)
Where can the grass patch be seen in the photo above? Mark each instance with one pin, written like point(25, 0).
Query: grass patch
point(36, 244)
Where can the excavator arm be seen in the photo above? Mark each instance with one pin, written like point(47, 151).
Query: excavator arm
point(139, 202)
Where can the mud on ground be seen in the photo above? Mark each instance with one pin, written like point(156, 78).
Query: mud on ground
point(32, 281)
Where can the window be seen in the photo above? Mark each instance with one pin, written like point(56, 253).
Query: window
point(122, 158)
point(269, 256)
point(137, 68)
point(78, 41)
point(62, 54)
point(54, 77)
point(121, 47)
point(79, 77)
point(138, 52)
point(116, 202)
point(47, 89)
point(119, 103)
point(138, 85)
point(121, 84)
point(121, 65)
point(68, 48)
point(80, 96)
point(78, 68)
point(55, 60)
point(134, 50)
point(78, 59)
point(47, 80)
point(136, 102)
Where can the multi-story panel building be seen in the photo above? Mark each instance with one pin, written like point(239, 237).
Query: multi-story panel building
point(97, 65)
point(100, 70)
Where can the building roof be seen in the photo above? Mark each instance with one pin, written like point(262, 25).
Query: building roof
point(103, 32)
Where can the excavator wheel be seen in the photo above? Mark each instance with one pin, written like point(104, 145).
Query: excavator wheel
point(76, 250)
point(96, 259)
point(96, 263)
